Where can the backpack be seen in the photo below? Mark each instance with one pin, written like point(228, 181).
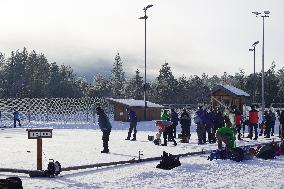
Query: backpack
point(53, 168)
point(157, 141)
point(11, 183)
point(168, 161)
point(266, 152)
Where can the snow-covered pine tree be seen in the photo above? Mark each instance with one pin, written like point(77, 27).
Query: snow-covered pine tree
point(280, 92)
point(183, 90)
point(227, 79)
point(2, 72)
point(165, 87)
point(271, 85)
point(82, 86)
point(240, 80)
point(117, 78)
point(15, 82)
point(134, 87)
point(100, 88)
point(37, 75)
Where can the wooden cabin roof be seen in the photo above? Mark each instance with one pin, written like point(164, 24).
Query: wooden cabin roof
point(230, 90)
point(135, 103)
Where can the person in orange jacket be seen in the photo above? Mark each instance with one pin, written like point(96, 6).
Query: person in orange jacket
point(253, 122)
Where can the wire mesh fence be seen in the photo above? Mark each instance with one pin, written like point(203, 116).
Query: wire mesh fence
point(60, 110)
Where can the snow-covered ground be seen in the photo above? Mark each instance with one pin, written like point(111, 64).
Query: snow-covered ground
point(81, 145)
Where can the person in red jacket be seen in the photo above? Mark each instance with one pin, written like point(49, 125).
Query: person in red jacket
point(238, 122)
point(253, 122)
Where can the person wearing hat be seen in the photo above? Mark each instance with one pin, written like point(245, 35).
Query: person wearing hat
point(105, 127)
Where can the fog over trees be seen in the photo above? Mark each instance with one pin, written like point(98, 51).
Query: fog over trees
point(30, 75)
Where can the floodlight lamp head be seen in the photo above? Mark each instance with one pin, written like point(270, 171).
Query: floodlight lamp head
point(255, 43)
point(256, 13)
point(149, 6)
point(251, 49)
point(266, 12)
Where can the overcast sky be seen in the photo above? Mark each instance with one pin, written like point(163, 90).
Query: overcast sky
point(193, 36)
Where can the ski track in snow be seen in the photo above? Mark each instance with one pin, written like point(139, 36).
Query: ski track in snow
point(73, 147)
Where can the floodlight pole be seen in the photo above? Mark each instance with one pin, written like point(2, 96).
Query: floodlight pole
point(145, 79)
point(254, 76)
point(265, 15)
point(262, 81)
point(253, 100)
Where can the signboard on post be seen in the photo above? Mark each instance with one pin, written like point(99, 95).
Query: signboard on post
point(39, 134)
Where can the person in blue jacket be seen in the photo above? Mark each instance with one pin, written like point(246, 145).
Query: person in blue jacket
point(105, 127)
point(200, 120)
point(16, 118)
point(133, 123)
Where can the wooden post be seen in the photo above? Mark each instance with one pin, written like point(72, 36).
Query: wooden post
point(39, 153)
point(38, 134)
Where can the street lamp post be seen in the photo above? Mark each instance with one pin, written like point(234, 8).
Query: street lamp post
point(254, 77)
point(145, 81)
point(263, 15)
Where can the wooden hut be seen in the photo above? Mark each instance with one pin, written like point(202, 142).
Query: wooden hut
point(226, 95)
point(122, 106)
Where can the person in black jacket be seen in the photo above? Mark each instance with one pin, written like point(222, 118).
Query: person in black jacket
point(16, 116)
point(209, 125)
point(268, 121)
point(219, 122)
point(273, 117)
point(174, 120)
point(185, 122)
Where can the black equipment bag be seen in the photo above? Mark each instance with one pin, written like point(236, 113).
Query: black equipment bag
point(266, 152)
point(11, 183)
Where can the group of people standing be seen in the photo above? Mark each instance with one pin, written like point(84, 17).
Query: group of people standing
point(170, 131)
point(210, 124)
point(223, 126)
point(268, 124)
point(208, 121)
